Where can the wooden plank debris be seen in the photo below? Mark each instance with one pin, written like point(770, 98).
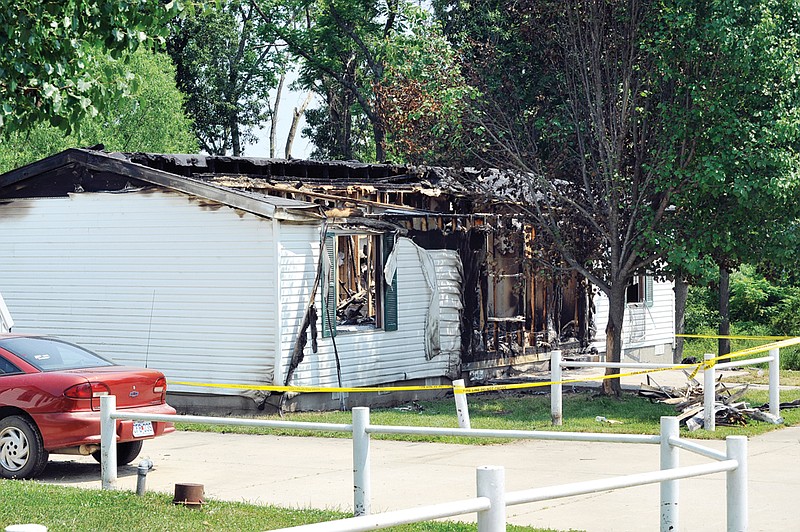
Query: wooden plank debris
point(729, 409)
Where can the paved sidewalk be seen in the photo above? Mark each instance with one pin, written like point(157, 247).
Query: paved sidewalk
point(317, 472)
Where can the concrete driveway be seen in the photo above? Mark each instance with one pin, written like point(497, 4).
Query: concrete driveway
point(317, 472)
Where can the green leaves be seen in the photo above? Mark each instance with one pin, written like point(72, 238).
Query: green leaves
point(150, 118)
point(742, 120)
point(228, 59)
point(49, 45)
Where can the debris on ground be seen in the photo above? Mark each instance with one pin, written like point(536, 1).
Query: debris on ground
point(413, 406)
point(729, 409)
point(603, 419)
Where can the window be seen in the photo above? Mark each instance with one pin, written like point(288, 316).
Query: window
point(7, 368)
point(640, 290)
point(357, 297)
point(50, 354)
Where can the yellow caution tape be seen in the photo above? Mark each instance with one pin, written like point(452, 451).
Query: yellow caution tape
point(479, 389)
point(697, 367)
point(313, 389)
point(734, 337)
point(706, 364)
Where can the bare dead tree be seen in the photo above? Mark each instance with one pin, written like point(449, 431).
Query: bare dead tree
point(273, 127)
point(297, 114)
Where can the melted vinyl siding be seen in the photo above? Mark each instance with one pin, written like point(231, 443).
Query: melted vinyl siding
point(658, 320)
point(449, 279)
point(371, 357)
point(151, 278)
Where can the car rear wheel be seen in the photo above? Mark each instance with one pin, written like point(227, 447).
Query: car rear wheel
point(22, 453)
point(126, 452)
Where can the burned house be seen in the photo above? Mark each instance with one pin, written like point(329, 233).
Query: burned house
point(233, 275)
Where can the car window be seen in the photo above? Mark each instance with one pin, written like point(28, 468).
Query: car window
point(49, 354)
point(7, 367)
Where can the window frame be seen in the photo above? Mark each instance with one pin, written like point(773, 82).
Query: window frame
point(385, 299)
point(640, 291)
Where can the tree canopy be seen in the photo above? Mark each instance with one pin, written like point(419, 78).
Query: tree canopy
point(357, 55)
point(149, 118)
point(51, 56)
point(228, 60)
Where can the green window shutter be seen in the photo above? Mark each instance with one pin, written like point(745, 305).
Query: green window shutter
point(390, 289)
point(329, 295)
point(648, 290)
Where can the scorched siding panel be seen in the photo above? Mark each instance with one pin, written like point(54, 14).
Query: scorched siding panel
point(298, 252)
point(368, 358)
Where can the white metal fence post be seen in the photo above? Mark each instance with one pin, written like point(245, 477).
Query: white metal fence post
point(462, 408)
point(670, 455)
point(492, 484)
point(362, 489)
point(736, 484)
point(556, 414)
point(709, 394)
point(775, 382)
point(108, 442)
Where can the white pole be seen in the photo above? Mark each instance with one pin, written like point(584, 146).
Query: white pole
point(775, 382)
point(108, 442)
point(736, 484)
point(709, 394)
point(669, 460)
point(362, 489)
point(462, 408)
point(556, 414)
point(492, 485)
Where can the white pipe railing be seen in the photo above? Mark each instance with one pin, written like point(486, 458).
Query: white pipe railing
point(709, 381)
point(491, 501)
point(556, 414)
point(462, 408)
point(709, 393)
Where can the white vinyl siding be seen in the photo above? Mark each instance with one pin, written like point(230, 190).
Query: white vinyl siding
point(205, 292)
point(299, 253)
point(150, 278)
point(643, 325)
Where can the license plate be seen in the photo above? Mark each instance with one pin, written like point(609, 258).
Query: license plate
point(142, 429)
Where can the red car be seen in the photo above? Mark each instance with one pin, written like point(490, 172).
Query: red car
point(50, 403)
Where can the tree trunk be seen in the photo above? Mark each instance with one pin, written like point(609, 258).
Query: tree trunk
point(273, 124)
point(298, 112)
point(582, 312)
point(724, 311)
point(616, 315)
point(235, 141)
point(681, 295)
point(380, 142)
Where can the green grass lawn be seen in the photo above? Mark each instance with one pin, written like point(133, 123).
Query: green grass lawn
point(69, 509)
point(522, 411)
point(789, 377)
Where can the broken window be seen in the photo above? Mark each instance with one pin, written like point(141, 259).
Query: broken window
point(640, 290)
point(358, 298)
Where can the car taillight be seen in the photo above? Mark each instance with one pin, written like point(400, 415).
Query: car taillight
point(87, 390)
point(160, 387)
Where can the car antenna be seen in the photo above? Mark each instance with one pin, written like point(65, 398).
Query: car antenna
point(149, 329)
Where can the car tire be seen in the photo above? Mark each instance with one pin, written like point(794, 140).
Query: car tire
point(22, 452)
point(126, 452)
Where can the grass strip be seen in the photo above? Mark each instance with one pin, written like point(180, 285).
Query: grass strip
point(68, 509)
